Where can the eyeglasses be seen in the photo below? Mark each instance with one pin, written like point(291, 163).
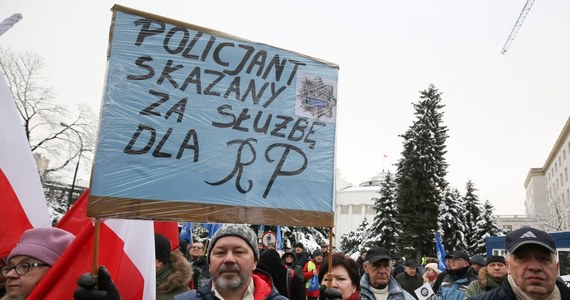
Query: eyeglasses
point(197, 248)
point(22, 268)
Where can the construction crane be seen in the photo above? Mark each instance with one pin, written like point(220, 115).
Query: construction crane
point(517, 26)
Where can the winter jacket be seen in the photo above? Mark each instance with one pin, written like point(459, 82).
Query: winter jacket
point(455, 283)
point(172, 279)
point(302, 258)
point(201, 271)
point(505, 292)
point(298, 269)
point(409, 283)
point(398, 269)
point(308, 276)
point(285, 281)
point(263, 290)
point(395, 291)
point(438, 281)
point(484, 284)
point(360, 264)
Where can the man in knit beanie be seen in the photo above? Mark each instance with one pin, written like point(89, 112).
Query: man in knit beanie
point(233, 255)
point(489, 277)
point(33, 256)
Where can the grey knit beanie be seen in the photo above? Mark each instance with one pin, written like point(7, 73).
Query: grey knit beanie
point(238, 230)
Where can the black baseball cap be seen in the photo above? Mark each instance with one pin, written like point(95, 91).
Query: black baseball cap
point(528, 235)
point(460, 254)
point(375, 254)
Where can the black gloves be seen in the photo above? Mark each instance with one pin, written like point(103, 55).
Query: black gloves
point(329, 293)
point(106, 289)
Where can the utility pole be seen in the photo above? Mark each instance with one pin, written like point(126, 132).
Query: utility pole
point(76, 166)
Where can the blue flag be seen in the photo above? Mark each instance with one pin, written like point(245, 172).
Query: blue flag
point(440, 252)
point(279, 238)
point(186, 232)
point(212, 228)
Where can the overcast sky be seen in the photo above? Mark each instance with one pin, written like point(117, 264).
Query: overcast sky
point(504, 112)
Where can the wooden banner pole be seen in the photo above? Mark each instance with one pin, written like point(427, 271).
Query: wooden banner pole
point(96, 248)
point(330, 275)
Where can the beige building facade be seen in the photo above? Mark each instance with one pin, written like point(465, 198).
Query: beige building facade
point(547, 188)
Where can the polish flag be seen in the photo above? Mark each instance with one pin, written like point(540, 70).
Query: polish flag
point(126, 248)
point(169, 230)
point(21, 192)
point(76, 217)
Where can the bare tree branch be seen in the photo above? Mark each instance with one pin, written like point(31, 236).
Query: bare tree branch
point(52, 129)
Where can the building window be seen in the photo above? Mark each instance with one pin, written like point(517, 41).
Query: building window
point(370, 210)
point(356, 209)
point(566, 173)
point(344, 209)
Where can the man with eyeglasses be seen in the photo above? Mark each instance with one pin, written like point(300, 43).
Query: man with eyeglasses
point(459, 276)
point(199, 264)
point(32, 258)
point(377, 283)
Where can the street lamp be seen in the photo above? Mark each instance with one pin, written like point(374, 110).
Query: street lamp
point(77, 166)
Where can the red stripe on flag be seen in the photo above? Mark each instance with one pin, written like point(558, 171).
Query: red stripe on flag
point(168, 230)
point(76, 217)
point(60, 281)
point(126, 275)
point(14, 221)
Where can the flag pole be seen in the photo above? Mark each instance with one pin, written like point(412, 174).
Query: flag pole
point(96, 247)
point(329, 273)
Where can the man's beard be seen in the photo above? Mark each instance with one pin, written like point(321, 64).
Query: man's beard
point(231, 284)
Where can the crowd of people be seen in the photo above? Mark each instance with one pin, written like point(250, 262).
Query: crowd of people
point(232, 266)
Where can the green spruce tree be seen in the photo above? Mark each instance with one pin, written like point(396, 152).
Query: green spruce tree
point(421, 174)
point(452, 221)
point(385, 229)
point(473, 220)
point(351, 241)
point(489, 227)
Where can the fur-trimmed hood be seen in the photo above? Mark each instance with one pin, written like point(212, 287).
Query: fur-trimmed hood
point(485, 279)
point(175, 276)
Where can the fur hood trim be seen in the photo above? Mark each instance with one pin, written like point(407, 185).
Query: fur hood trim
point(483, 277)
point(180, 277)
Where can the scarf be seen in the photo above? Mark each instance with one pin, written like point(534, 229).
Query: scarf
point(521, 295)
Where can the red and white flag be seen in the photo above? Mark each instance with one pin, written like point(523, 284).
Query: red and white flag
point(126, 249)
point(21, 192)
point(169, 230)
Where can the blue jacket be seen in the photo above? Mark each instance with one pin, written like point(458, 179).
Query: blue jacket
point(395, 291)
point(505, 292)
point(454, 285)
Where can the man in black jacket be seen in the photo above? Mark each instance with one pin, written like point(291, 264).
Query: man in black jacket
point(533, 268)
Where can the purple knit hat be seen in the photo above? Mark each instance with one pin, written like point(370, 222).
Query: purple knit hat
point(46, 244)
